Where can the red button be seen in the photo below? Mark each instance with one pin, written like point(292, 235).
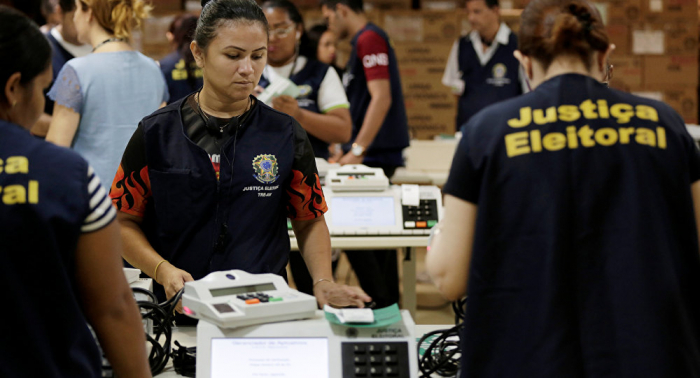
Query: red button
point(421, 224)
point(252, 301)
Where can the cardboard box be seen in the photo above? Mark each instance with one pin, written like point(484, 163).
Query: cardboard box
point(675, 38)
point(670, 10)
point(422, 54)
point(628, 72)
point(426, 123)
point(671, 70)
point(620, 36)
point(682, 100)
point(370, 5)
point(619, 12)
point(421, 26)
point(426, 91)
point(161, 7)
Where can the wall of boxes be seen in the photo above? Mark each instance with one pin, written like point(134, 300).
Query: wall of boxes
point(656, 51)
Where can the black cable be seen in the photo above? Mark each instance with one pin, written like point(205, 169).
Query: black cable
point(185, 360)
point(163, 318)
point(442, 355)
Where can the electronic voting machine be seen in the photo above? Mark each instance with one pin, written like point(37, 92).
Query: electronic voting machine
point(362, 203)
point(254, 325)
point(236, 298)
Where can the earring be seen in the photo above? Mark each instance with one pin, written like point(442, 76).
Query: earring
point(14, 103)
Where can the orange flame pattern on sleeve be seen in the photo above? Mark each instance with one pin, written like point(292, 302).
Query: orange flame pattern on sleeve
point(306, 200)
point(131, 193)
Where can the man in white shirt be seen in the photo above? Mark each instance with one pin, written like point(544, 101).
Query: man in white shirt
point(481, 68)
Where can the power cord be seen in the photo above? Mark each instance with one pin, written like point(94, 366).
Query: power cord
point(185, 360)
point(162, 316)
point(442, 354)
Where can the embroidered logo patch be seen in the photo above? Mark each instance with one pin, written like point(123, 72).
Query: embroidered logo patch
point(265, 167)
point(499, 71)
point(304, 90)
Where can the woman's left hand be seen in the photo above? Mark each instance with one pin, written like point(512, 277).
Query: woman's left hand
point(287, 104)
point(336, 295)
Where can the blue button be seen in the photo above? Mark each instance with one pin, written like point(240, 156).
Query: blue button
point(230, 276)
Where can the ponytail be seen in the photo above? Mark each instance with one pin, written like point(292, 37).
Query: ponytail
point(550, 28)
point(119, 16)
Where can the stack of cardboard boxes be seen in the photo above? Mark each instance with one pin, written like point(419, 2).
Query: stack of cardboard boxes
point(656, 51)
point(422, 42)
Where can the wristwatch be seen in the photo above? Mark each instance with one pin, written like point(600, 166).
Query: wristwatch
point(357, 150)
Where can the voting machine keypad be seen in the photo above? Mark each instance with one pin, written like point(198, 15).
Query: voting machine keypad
point(375, 359)
point(423, 216)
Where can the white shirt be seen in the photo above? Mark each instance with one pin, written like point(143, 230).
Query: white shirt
point(453, 76)
point(331, 93)
point(75, 50)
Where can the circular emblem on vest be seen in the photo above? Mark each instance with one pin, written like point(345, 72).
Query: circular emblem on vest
point(265, 167)
point(499, 71)
point(304, 90)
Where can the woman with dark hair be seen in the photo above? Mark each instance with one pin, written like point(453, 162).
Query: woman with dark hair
point(179, 68)
point(571, 220)
point(322, 41)
point(207, 183)
point(58, 240)
point(322, 107)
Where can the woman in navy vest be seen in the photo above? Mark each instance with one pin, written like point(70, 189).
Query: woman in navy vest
point(59, 244)
point(322, 107)
point(179, 68)
point(207, 183)
point(570, 220)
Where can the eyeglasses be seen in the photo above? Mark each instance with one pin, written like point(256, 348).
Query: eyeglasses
point(282, 32)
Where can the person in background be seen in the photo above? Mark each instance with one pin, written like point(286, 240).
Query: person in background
point(207, 183)
point(59, 242)
point(571, 220)
point(481, 68)
point(101, 97)
point(322, 108)
point(49, 10)
point(380, 125)
point(179, 68)
point(65, 46)
point(324, 43)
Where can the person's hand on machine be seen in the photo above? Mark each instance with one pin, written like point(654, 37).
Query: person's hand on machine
point(173, 280)
point(336, 295)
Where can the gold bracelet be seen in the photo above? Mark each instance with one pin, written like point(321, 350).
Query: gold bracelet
point(321, 280)
point(155, 272)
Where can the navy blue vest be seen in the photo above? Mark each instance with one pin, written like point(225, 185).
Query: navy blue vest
point(45, 333)
point(485, 85)
point(309, 80)
point(393, 135)
point(176, 77)
point(59, 58)
point(203, 225)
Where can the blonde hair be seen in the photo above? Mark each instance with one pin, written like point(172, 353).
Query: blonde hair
point(118, 16)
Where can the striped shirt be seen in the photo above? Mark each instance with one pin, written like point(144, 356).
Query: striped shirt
point(101, 210)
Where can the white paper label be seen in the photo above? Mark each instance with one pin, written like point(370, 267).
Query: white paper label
point(650, 42)
point(410, 195)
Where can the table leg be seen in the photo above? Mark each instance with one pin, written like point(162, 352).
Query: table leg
point(409, 281)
